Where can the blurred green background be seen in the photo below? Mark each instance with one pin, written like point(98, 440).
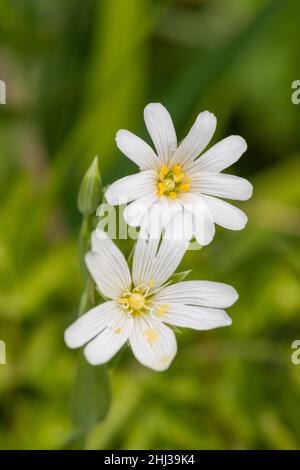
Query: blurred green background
point(77, 71)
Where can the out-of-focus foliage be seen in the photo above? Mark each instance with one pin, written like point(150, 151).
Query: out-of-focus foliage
point(75, 73)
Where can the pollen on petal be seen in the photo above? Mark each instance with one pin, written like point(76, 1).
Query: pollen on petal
point(164, 359)
point(151, 335)
point(117, 330)
point(162, 310)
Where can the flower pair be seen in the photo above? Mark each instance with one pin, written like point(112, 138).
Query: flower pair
point(174, 193)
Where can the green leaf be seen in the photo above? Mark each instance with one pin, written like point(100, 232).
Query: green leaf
point(179, 277)
point(91, 395)
point(90, 192)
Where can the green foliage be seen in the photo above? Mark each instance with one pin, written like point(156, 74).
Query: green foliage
point(76, 72)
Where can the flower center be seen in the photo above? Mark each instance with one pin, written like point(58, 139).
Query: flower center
point(137, 301)
point(171, 182)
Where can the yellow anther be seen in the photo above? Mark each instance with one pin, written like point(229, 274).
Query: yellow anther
point(163, 171)
point(151, 335)
point(162, 310)
point(161, 188)
point(179, 177)
point(184, 187)
point(136, 301)
point(173, 195)
point(176, 169)
point(123, 301)
point(117, 330)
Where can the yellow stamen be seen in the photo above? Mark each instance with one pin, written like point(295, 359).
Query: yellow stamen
point(151, 335)
point(184, 187)
point(161, 188)
point(162, 310)
point(164, 171)
point(176, 169)
point(179, 177)
point(123, 301)
point(172, 181)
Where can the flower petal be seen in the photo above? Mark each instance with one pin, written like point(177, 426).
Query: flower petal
point(153, 344)
point(131, 187)
point(225, 214)
point(90, 324)
point(180, 227)
point(109, 341)
point(198, 293)
point(196, 140)
point(221, 185)
point(221, 155)
point(155, 261)
point(204, 228)
point(159, 216)
point(137, 150)
point(197, 318)
point(107, 266)
point(161, 129)
point(133, 214)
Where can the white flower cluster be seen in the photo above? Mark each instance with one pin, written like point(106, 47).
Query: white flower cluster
point(175, 195)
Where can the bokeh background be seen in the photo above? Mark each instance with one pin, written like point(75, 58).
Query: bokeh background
point(76, 72)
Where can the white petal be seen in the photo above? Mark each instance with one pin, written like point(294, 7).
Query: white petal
point(158, 217)
point(143, 260)
point(107, 266)
point(220, 156)
point(161, 130)
point(134, 212)
point(137, 150)
point(109, 341)
point(204, 228)
point(131, 187)
point(180, 226)
point(90, 324)
point(221, 185)
point(196, 140)
point(153, 343)
point(155, 261)
point(225, 214)
point(198, 293)
point(197, 318)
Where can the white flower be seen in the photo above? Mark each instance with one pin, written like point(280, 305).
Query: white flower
point(142, 303)
point(173, 184)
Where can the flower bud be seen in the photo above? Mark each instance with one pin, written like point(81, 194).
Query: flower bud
point(90, 192)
